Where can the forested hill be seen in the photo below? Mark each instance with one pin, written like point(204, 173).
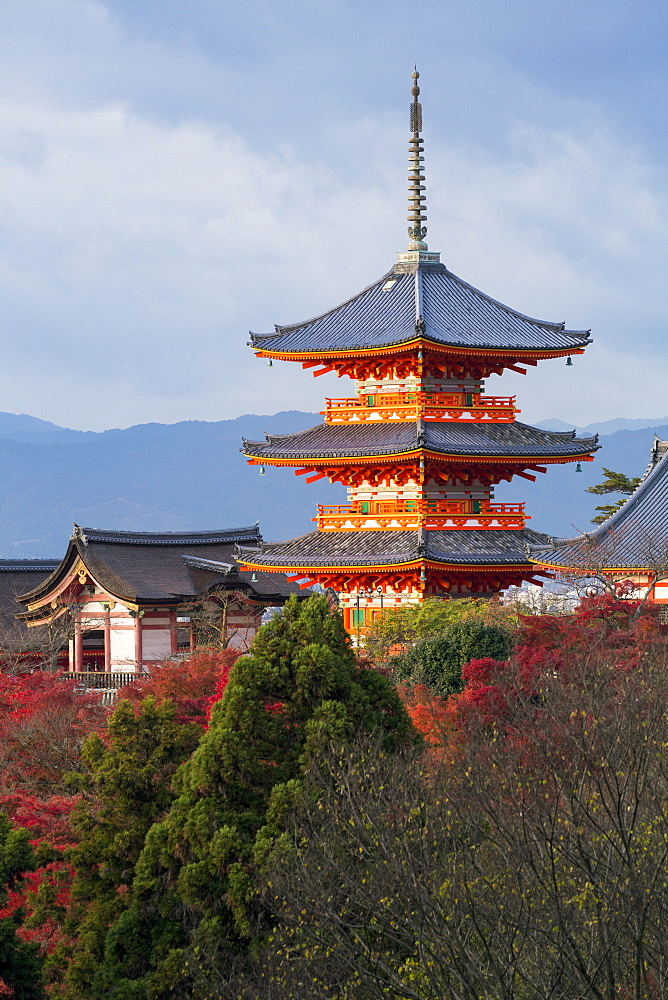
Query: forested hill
point(190, 475)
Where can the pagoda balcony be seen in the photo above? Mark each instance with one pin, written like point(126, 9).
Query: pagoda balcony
point(386, 515)
point(396, 406)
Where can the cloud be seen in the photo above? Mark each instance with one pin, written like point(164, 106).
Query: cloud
point(138, 247)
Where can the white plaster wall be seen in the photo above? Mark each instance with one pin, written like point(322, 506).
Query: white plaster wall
point(156, 644)
point(122, 643)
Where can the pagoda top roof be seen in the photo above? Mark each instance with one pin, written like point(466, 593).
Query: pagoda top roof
point(635, 537)
point(365, 440)
point(421, 301)
point(383, 548)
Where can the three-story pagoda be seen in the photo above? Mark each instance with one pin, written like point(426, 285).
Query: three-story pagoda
point(420, 445)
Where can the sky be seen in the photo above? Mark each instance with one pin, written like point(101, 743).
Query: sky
point(174, 174)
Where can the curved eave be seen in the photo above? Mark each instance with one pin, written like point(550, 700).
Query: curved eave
point(424, 344)
point(415, 455)
point(39, 594)
point(310, 569)
point(569, 567)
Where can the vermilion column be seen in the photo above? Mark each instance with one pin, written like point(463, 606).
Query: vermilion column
point(138, 645)
point(107, 643)
point(174, 639)
point(78, 647)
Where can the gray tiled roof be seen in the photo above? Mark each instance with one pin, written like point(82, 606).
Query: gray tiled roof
point(361, 548)
point(454, 313)
point(147, 567)
point(17, 576)
point(224, 537)
point(636, 536)
point(451, 438)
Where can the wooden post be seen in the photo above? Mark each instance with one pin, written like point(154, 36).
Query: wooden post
point(78, 646)
point(174, 642)
point(107, 642)
point(138, 644)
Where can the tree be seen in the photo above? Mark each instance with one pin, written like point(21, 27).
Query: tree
point(533, 868)
point(437, 662)
point(125, 787)
point(614, 482)
point(196, 917)
point(20, 965)
point(190, 684)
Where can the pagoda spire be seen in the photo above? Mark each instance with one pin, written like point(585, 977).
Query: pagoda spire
point(417, 208)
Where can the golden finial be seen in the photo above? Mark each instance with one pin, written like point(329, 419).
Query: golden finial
point(417, 208)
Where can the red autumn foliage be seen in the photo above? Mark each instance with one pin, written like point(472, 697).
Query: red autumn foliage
point(431, 715)
point(43, 722)
point(193, 684)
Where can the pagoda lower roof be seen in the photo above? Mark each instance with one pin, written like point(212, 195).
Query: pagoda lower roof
point(367, 440)
point(425, 300)
point(332, 549)
point(635, 537)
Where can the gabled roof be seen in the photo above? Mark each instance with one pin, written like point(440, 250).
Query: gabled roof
point(17, 576)
point(167, 567)
point(636, 536)
point(425, 301)
point(449, 438)
point(380, 548)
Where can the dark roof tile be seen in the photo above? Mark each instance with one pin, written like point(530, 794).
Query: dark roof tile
point(361, 548)
point(450, 438)
point(454, 312)
point(636, 536)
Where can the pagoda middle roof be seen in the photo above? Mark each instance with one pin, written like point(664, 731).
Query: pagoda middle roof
point(635, 537)
point(383, 548)
point(365, 440)
point(425, 301)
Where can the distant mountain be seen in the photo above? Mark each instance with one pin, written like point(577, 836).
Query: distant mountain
point(605, 426)
point(190, 475)
point(557, 500)
point(152, 477)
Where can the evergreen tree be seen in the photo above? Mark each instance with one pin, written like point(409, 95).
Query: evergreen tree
point(614, 482)
point(195, 916)
point(438, 662)
point(126, 787)
point(20, 964)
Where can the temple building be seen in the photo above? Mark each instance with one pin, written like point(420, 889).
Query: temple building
point(419, 445)
point(630, 549)
point(127, 599)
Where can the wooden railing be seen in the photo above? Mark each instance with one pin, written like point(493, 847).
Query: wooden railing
point(382, 515)
point(396, 406)
point(98, 680)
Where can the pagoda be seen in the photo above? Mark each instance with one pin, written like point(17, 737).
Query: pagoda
point(419, 445)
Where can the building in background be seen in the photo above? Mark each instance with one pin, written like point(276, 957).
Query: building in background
point(122, 600)
point(420, 445)
point(629, 551)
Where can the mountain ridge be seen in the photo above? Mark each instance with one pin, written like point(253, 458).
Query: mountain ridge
point(190, 475)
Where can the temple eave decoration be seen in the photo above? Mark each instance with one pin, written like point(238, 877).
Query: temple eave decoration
point(419, 444)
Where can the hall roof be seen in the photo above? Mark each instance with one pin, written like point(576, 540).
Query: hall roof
point(381, 548)
point(635, 537)
point(17, 576)
point(369, 439)
point(424, 300)
point(164, 567)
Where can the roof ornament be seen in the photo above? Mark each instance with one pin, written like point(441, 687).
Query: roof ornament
point(417, 209)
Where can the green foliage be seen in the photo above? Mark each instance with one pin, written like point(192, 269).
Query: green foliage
point(195, 904)
point(437, 662)
point(397, 630)
point(126, 787)
point(20, 964)
point(614, 482)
